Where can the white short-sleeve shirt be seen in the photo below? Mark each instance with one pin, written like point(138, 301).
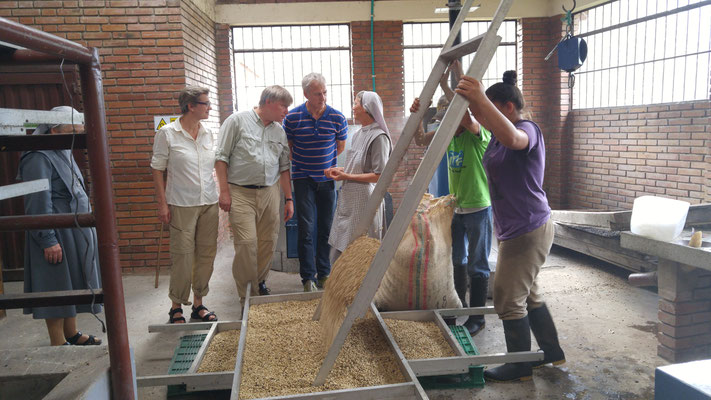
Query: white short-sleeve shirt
point(190, 164)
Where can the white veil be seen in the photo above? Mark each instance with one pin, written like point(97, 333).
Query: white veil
point(374, 105)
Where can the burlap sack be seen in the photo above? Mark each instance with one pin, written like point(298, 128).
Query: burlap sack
point(420, 275)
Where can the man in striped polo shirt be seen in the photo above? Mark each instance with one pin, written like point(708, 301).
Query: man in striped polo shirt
point(317, 134)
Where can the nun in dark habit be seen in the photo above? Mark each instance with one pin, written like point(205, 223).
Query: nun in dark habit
point(59, 259)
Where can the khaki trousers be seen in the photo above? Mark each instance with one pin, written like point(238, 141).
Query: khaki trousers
point(254, 217)
point(193, 245)
point(517, 267)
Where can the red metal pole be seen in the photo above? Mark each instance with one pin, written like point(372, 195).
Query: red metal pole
point(122, 384)
point(45, 221)
point(34, 39)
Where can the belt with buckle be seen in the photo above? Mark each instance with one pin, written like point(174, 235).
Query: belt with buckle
point(252, 186)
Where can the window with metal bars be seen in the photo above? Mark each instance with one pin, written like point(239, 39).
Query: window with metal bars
point(644, 52)
point(283, 55)
point(423, 43)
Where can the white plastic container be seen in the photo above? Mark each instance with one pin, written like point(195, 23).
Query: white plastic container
point(658, 218)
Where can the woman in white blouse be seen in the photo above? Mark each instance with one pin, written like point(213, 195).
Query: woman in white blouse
point(187, 201)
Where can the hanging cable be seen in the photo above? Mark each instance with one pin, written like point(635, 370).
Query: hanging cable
point(372, 49)
point(87, 238)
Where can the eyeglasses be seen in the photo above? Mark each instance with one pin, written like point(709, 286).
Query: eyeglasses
point(206, 103)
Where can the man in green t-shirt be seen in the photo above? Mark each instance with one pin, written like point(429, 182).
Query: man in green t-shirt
point(471, 223)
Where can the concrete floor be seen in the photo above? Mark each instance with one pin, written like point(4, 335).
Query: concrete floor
point(606, 327)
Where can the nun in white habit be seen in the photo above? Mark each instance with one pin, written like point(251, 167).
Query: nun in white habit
point(365, 161)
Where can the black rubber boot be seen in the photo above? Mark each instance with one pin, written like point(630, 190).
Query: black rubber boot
point(460, 283)
point(518, 338)
point(477, 298)
point(547, 337)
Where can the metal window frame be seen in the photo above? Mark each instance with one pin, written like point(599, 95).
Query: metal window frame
point(275, 50)
point(435, 46)
point(623, 68)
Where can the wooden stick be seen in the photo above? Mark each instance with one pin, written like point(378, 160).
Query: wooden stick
point(160, 246)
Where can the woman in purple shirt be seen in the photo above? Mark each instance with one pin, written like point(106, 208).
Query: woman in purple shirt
point(514, 163)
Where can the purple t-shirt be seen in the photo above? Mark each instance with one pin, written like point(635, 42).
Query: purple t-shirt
point(516, 183)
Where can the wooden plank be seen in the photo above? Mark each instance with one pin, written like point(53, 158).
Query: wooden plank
point(404, 366)
point(13, 274)
point(15, 121)
point(460, 365)
point(462, 49)
point(607, 249)
point(699, 214)
point(23, 188)
point(613, 220)
point(48, 299)
point(203, 349)
point(414, 193)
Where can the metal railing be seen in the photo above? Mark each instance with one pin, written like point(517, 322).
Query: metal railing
point(42, 47)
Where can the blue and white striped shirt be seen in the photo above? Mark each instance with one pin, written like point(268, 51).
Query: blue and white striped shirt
point(313, 142)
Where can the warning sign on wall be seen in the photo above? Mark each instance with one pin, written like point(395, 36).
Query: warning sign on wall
point(160, 121)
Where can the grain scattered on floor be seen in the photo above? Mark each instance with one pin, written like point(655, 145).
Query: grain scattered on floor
point(221, 354)
point(419, 339)
point(283, 353)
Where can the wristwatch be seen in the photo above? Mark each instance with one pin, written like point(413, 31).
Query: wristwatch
point(288, 199)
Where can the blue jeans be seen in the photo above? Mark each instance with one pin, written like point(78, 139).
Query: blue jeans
point(471, 242)
point(315, 203)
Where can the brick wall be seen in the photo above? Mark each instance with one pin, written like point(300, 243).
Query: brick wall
point(149, 50)
point(620, 153)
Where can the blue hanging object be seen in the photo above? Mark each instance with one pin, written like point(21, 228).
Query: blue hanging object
point(572, 52)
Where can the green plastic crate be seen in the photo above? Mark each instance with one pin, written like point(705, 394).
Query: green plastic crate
point(183, 357)
point(475, 377)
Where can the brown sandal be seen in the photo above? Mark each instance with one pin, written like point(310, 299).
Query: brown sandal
point(205, 318)
point(174, 311)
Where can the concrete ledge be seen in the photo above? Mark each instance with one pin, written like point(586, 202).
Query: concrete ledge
point(55, 372)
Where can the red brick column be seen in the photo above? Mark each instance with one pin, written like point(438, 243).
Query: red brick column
point(684, 328)
point(547, 97)
point(225, 99)
point(389, 84)
point(225, 70)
